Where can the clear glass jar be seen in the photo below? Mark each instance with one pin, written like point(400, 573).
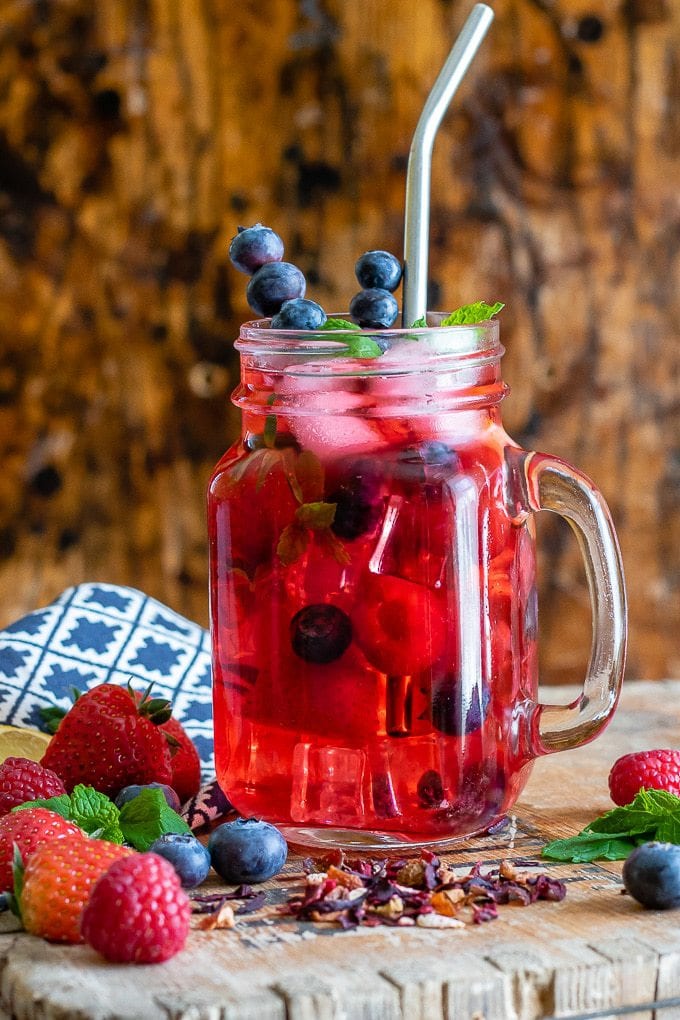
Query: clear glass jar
point(373, 590)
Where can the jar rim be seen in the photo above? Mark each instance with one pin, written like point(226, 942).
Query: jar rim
point(435, 340)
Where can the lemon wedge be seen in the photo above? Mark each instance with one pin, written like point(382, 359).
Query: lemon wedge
point(17, 742)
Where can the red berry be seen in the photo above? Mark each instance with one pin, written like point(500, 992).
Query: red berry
point(58, 881)
point(29, 829)
point(644, 770)
point(106, 741)
point(138, 911)
point(400, 626)
point(22, 779)
point(184, 761)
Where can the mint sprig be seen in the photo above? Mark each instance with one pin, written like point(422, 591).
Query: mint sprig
point(652, 815)
point(148, 816)
point(140, 822)
point(339, 324)
point(470, 315)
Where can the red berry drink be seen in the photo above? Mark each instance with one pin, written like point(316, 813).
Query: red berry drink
point(373, 598)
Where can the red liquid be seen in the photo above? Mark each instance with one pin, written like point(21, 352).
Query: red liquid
point(414, 723)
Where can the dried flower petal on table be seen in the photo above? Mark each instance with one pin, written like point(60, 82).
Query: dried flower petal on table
point(400, 892)
point(223, 917)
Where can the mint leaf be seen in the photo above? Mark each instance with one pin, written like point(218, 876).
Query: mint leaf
point(339, 324)
point(591, 846)
point(147, 817)
point(420, 323)
point(269, 431)
point(651, 815)
point(61, 805)
point(95, 812)
point(316, 516)
point(363, 347)
point(469, 315)
point(292, 543)
point(310, 475)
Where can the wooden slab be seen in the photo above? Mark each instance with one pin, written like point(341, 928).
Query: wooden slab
point(595, 954)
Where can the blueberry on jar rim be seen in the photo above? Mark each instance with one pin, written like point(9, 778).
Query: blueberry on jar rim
point(320, 633)
point(274, 284)
point(254, 247)
point(374, 308)
point(378, 269)
point(299, 313)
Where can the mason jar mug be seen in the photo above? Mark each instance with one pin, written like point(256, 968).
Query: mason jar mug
point(373, 590)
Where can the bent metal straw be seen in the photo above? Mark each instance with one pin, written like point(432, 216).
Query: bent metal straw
point(417, 215)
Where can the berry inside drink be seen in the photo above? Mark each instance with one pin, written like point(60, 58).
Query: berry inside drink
point(373, 596)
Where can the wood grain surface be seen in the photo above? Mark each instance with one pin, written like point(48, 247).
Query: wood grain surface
point(135, 136)
point(595, 953)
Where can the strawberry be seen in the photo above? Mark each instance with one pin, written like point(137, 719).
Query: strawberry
point(137, 911)
point(184, 760)
point(57, 883)
point(29, 830)
point(644, 770)
point(109, 739)
point(22, 779)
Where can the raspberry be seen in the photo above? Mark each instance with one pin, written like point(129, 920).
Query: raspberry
point(22, 779)
point(648, 770)
point(137, 912)
point(58, 881)
point(29, 829)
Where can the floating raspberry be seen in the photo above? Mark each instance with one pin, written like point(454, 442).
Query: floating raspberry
point(28, 830)
point(22, 779)
point(137, 912)
point(644, 770)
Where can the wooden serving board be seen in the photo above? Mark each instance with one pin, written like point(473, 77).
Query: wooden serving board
point(595, 954)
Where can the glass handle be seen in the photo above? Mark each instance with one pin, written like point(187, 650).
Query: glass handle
point(554, 485)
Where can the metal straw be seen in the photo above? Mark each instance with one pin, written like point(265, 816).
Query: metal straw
point(417, 218)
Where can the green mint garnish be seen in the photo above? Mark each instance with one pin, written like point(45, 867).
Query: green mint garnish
point(61, 805)
point(469, 315)
point(363, 347)
point(140, 822)
point(420, 323)
point(269, 431)
point(316, 516)
point(147, 817)
point(310, 518)
point(91, 810)
point(95, 812)
point(357, 346)
point(339, 324)
point(652, 815)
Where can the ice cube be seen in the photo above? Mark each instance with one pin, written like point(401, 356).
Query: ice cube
point(327, 785)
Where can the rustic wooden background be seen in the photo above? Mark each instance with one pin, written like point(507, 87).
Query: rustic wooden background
point(136, 134)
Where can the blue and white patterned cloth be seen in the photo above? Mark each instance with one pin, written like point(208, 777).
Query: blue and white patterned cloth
point(104, 633)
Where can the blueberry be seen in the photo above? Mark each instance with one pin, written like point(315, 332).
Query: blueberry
point(374, 308)
point(130, 792)
point(651, 874)
point(378, 269)
point(357, 509)
point(299, 313)
point(273, 285)
point(247, 850)
point(430, 789)
point(254, 247)
point(430, 461)
point(188, 856)
point(320, 633)
point(454, 711)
